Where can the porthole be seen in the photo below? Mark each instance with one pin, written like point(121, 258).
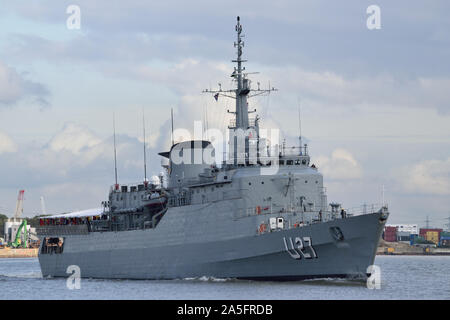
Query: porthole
point(306, 181)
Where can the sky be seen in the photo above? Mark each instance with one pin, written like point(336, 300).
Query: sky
point(375, 103)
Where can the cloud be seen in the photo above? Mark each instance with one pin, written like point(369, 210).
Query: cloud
point(74, 138)
point(430, 177)
point(327, 89)
point(6, 144)
point(75, 155)
point(340, 166)
point(14, 87)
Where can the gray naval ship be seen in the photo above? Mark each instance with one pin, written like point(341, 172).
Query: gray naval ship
point(259, 215)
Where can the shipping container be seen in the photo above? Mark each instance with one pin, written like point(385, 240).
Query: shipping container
point(413, 238)
point(423, 231)
point(403, 236)
point(390, 234)
point(432, 236)
point(390, 238)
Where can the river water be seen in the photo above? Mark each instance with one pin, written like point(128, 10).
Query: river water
point(402, 277)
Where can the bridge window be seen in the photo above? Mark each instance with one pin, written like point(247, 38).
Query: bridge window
point(52, 246)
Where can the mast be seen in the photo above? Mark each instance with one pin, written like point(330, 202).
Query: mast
point(242, 84)
point(299, 128)
point(171, 116)
point(241, 93)
point(145, 154)
point(115, 153)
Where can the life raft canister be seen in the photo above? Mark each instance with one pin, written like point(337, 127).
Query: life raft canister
point(262, 228)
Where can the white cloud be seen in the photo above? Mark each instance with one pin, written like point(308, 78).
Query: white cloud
point(13, 87)
point(426, 177)
point(6, 144)
point(73, 138)
point(340, 166)
point(325, 88)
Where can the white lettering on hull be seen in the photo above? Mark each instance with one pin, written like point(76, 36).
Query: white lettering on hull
point(300, 248)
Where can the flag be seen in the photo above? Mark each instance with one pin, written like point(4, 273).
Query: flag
point(216, 96)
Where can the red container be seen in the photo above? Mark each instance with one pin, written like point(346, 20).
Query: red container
point(390, 234)
point(390, 238)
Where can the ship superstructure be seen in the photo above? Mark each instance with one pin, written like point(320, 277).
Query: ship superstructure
point(262, 214)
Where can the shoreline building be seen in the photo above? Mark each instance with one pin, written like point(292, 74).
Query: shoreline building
point(408, 228)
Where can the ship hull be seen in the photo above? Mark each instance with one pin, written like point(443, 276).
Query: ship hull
point(268, 256)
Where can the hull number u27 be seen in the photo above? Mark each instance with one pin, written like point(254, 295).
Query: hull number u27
point(299, 248)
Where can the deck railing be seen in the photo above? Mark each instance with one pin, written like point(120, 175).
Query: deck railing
point(363, 209)
point(62, 230)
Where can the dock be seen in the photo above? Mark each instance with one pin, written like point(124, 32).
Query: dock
point(399, 248)
point(19, 253)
